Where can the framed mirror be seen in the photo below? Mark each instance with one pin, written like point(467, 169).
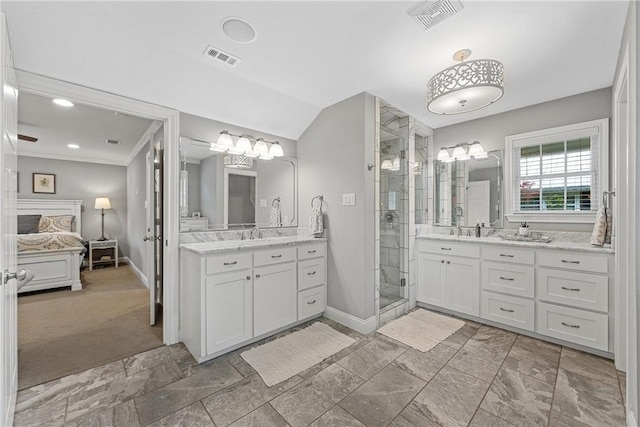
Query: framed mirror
point(468, 192)
point(218, 194)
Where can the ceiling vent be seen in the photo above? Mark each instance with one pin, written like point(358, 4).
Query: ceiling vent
point(222, 56)
point(431, 13)
point(112, 142)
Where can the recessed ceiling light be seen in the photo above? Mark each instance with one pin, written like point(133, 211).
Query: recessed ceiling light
point(74, 146)
point(63, 102)
point(238, 30)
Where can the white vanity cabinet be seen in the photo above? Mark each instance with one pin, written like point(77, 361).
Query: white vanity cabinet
point(230, 299)
point(558, 293)
point(449, 275)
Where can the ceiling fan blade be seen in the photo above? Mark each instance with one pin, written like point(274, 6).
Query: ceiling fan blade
point(27, 138)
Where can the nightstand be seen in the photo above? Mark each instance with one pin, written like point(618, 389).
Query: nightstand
point(100, 245)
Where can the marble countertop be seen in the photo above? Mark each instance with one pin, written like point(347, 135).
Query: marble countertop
point(557, 242)
point(207, 248)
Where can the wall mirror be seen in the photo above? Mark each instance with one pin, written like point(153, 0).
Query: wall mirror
point(469, 191)
point(214, 196)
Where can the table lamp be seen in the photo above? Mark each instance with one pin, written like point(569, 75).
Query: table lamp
point(102, 203)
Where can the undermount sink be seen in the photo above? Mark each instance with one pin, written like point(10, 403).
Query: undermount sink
point(518, 238)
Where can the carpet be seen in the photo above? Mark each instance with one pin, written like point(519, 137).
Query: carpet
point(291, 354)
point(421, 329)
point(61, 332)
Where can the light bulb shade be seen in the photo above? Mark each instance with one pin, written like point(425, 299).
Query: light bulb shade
point(102, 203)
point(243, 145)
point(459, 153)
point(395, 165)
point(261, 147)
point(276, 150)
point(443, 155)
point(466, 87)
point(475, 149)
point(236, 161)
point(386, 165)
point(224, 141)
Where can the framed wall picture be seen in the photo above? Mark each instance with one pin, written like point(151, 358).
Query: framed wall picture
point(44, 183)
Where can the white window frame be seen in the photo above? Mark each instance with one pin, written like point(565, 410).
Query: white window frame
point(576, 130)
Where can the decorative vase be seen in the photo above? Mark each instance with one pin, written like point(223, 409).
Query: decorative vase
point(523, 231)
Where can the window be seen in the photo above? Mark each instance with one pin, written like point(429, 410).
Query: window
point(557, 175)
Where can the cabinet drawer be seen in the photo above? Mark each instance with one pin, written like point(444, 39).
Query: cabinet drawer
point(577, 289)
point(580, 327)
point(449, 248)
point(509, 278)
point(274, 256)
point(228, 262)
point(310, 273)
point(573, 261)
point(310, 302)
point(315, 250)
point(513, 311)
point(508, 254)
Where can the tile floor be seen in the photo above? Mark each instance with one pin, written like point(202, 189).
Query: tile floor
point(479, 376)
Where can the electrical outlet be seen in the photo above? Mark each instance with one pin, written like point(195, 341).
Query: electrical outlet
point(263, 203)
point(349, 199)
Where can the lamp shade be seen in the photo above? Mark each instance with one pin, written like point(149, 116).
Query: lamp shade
point(443, 155)
point(276, 150)
point(102, 203)
point(224, 142)
point(476, 150)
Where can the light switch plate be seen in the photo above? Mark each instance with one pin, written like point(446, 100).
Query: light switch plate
point(349, 199)
point(263, 203)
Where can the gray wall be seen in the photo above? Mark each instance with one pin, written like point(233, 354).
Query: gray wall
point(193, 169)
point(210, 197)
point(332, 156)
point(273, 181)
point(136, 210)
point(83, 181)
point(491, 131)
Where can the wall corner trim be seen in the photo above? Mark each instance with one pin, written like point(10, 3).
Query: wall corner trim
point(363, 326)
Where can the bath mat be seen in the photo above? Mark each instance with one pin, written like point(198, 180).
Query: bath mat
point(285, 357)
point(421, 329)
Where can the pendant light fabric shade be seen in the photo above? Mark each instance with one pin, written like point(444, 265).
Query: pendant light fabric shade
point(465, 87)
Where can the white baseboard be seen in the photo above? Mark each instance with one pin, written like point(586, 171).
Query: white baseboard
point(137, 271)
point(631, 419)
point(363, 326)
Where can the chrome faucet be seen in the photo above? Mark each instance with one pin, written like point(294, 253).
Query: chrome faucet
point(259, 233)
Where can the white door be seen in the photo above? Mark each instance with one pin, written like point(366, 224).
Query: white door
point(431, 279)
point(478, 201)
point(275, 297)
point(153, 235)
point(463, 285)
point(8, 257)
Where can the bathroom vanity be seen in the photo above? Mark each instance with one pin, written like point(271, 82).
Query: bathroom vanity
point(237, 292)
point(559, 290)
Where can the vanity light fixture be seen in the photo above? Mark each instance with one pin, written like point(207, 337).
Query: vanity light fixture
point(462, 152)
point(238, 161)
point(243, 146)
point(466, 86)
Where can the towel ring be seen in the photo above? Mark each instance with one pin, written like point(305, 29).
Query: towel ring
point(320, 197)
point(273, 202)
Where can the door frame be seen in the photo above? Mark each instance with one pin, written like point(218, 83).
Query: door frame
point(45, 86)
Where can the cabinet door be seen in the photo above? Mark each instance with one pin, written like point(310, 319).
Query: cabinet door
point(431, 278)
point(228, 315)
point(463, 285)
point(275, 297)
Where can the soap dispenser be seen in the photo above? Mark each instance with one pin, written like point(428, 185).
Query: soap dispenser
point(478, 231)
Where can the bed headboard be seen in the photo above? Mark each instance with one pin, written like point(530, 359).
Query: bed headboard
point(51, 208)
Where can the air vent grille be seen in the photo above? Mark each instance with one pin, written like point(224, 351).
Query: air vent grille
point(224, 57)
point(431, 13)
point(112, 142)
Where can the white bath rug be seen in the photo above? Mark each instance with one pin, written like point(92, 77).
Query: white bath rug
point(421, 329)
point(285, 357)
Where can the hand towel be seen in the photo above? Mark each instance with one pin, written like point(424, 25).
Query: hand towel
point(315, 222)
point(275, 216)
point(607, 237)
point(600, 228)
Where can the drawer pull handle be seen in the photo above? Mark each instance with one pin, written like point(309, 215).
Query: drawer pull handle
point(276, 256)
point(257, 276)
point(568, 325)
point(448, 262)
point(442, 261)
point(311, 273)
point(311, 252)
point(446, 249)
point(231, 263)
point(568, 261)
point(311, 302)
point(510, 279)
point(570, 289)
point(506, 310)
point(248, 277)
point(507, 255)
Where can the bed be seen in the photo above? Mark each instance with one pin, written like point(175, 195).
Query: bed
point(53, 256)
